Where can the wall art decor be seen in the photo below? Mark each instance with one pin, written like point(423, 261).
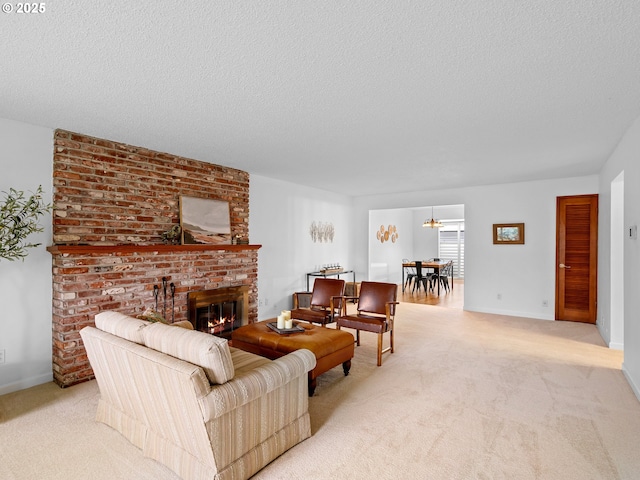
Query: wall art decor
point(386, 234)
point(508, 233)
point(322, 232)
point(204, 220)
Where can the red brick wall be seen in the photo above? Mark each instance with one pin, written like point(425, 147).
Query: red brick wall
point(108, 194)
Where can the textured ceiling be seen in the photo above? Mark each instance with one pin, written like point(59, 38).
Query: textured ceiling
point(361, 97)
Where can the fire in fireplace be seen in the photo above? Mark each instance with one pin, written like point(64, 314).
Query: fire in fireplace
point(219, 311)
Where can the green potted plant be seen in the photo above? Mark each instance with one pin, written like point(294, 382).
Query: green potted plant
point(18, 219)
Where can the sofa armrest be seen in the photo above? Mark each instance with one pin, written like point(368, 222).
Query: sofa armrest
point(257, 383)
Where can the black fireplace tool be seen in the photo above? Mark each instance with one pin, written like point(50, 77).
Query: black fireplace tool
point(172, 287)
point(155, 294)
point(164, 299)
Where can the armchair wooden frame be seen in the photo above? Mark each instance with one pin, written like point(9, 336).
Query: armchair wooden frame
point(375, 313)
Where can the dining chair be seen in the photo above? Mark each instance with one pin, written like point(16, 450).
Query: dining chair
point(441, 279)
point(375, 313)
point(410, 272)
point(421, 278)
point(445, 275)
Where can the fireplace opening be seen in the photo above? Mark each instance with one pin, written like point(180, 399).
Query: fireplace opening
point(219, 311)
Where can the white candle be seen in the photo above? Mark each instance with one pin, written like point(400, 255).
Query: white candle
point(288, 324)
point(281, 321)
point(286, 314)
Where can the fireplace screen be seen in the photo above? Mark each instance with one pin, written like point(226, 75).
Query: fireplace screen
point(219, 311)
point(217, 317)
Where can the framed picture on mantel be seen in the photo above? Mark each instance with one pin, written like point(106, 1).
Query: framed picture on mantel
point(205, 221)
point(508, 233)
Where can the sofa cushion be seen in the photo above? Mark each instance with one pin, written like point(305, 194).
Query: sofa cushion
point(244, 362)
point(121, 325)
point(202, 349)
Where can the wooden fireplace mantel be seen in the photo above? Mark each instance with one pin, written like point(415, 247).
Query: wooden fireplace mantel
point(128, 248)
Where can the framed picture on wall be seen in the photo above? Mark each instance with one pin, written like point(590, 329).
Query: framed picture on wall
point(205, 221)
point(508, 233)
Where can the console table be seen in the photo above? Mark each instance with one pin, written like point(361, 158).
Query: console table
point(330, 273)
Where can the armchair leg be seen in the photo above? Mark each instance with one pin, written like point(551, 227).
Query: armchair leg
point(384, 350)
point(358, 337)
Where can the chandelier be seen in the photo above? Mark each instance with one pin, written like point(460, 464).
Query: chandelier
point(432, 223)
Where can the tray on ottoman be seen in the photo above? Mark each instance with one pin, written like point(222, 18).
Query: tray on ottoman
point(295, 329)
point(330, 346)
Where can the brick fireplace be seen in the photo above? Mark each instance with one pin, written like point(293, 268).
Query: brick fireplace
point(112, 202)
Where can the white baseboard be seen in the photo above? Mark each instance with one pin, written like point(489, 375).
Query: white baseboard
point(633, 385)
point(511, 313)
point(25, 383)
point(616, 346)
point(603, 333)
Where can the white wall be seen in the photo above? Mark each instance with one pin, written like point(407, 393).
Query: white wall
point(425, 240)
point(624, 159)
point(26, 153)
point(524, 275)
point(616, 270)
point(385, 259)
point(280, 215)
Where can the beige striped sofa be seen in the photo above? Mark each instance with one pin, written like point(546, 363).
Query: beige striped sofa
point(191, 402)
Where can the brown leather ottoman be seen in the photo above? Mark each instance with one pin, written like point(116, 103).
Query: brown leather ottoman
point(330, 346)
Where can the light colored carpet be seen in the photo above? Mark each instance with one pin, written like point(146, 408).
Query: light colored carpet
point(465, 396)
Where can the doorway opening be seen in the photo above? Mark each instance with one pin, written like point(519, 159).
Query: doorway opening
point(413, 241)
point(616, 297)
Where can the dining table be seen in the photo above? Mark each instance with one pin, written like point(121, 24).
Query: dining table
point(435, 265)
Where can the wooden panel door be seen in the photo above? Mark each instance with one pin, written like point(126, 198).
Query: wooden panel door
point(576, 258)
